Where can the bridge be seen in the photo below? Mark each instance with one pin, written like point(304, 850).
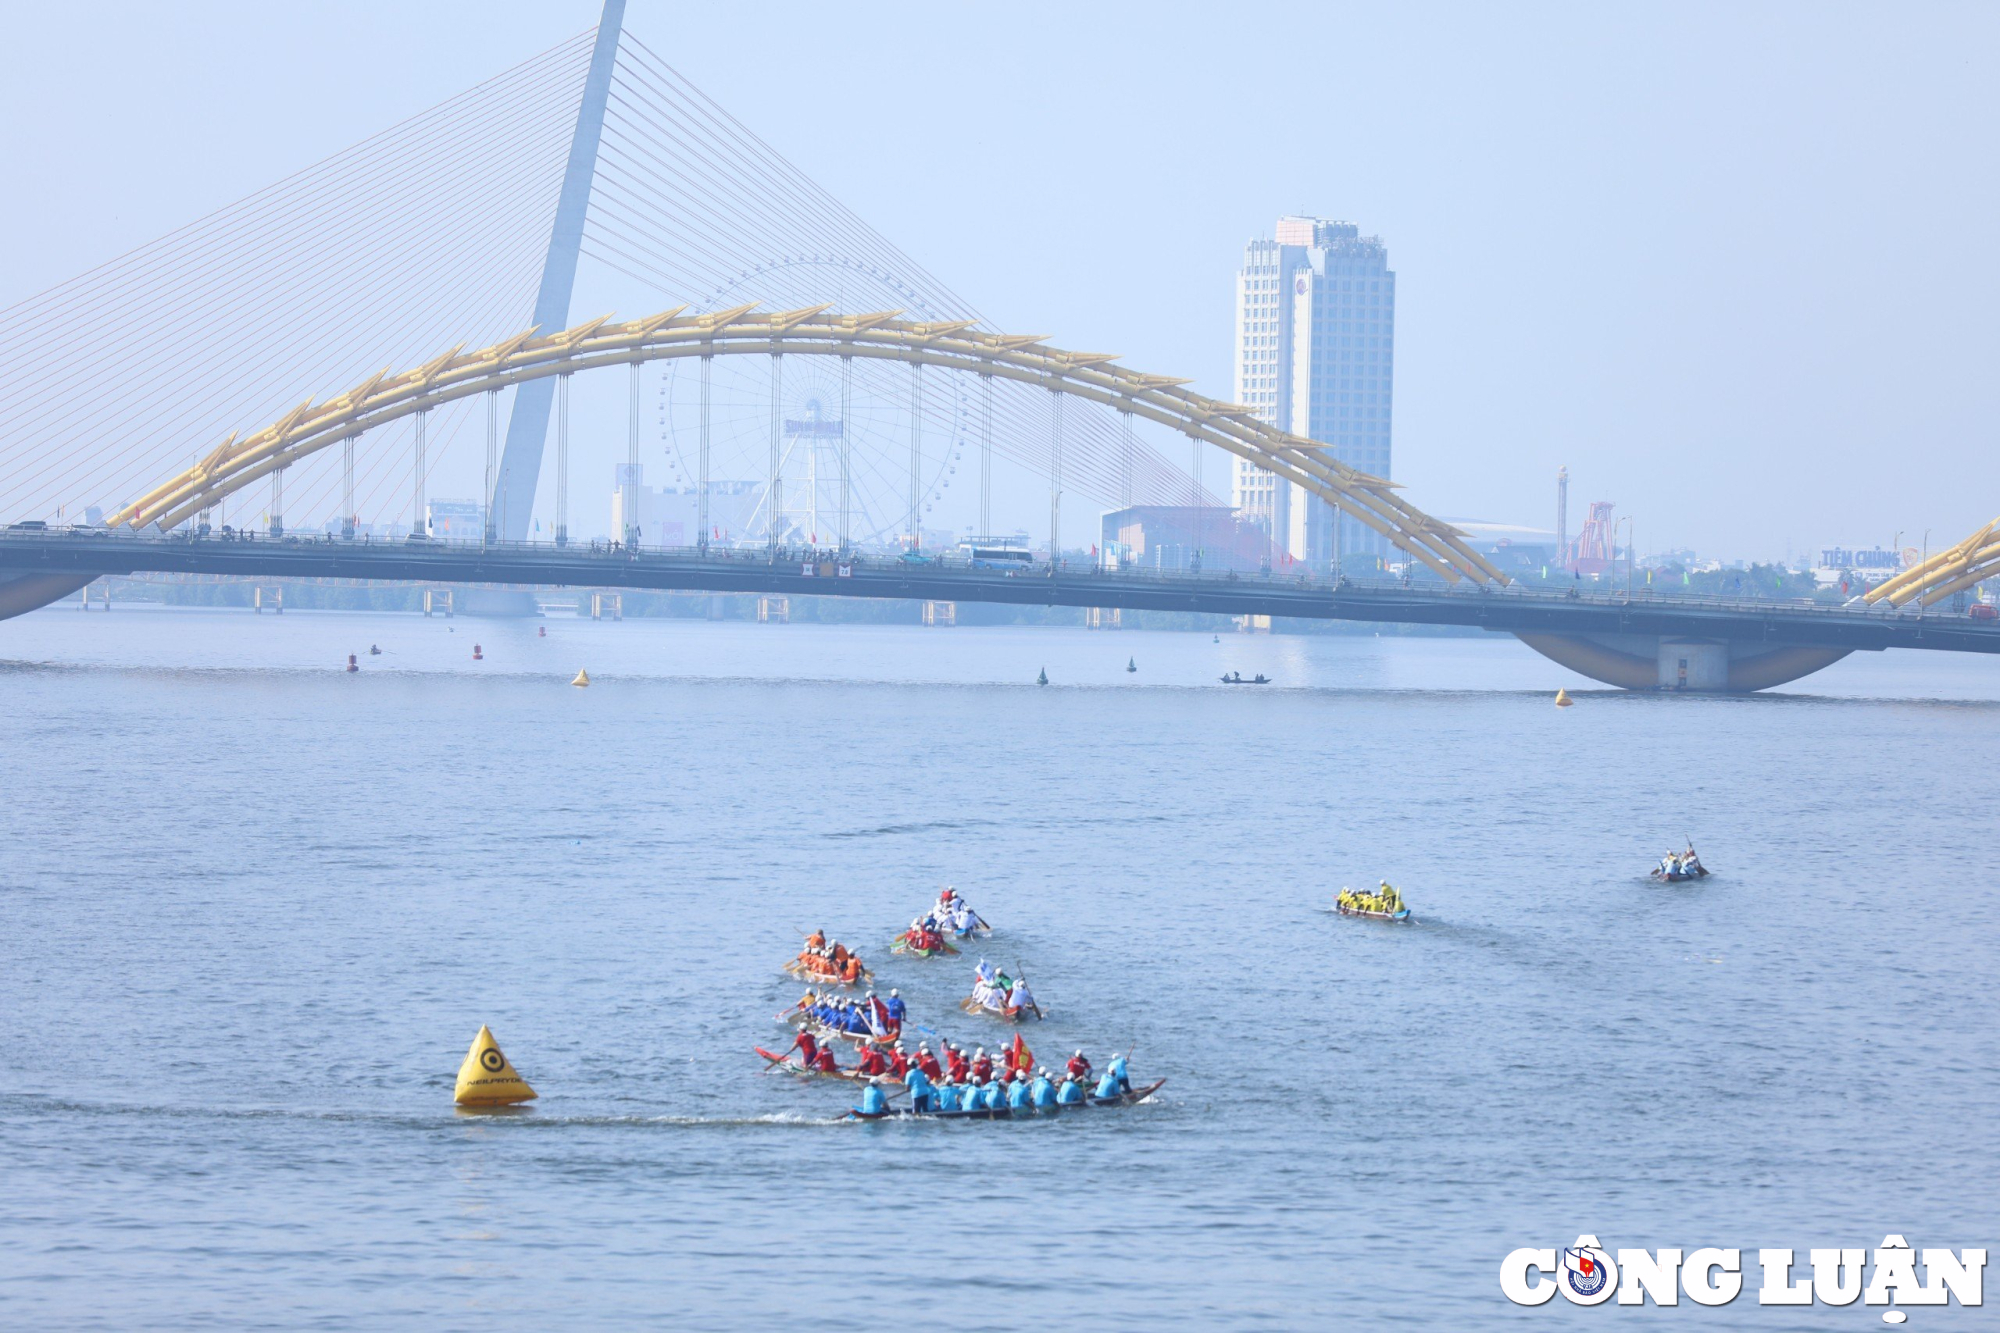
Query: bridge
point(1071, 420)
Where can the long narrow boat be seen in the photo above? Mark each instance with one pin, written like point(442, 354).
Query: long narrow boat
point(805, 1023)
point(803, 973)
point(1132, 1098)
point(786, 1064)
point(901, 944)
point(1401, 914)
point(1013, 1015)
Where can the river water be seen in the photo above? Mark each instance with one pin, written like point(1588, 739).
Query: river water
point(254, 908)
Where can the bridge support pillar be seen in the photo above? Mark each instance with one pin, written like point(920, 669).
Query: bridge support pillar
point(941, 613)
point(1694, 666)
point(1254, 624)
point(716, 607)
point(1103, 617)
point(774, 610)
point(277, 599)
point(614, 602)
point(440, 599)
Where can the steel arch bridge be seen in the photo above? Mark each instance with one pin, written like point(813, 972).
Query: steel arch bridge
point(814, 331)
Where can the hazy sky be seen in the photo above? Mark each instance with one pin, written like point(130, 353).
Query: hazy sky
point(1732, 264)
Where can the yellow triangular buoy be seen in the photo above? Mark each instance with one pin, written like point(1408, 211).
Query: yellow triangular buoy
point(1562, 698)
point(486, 1079)
point(582, 678)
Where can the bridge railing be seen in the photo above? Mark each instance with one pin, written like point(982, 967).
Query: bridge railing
point(954, 565)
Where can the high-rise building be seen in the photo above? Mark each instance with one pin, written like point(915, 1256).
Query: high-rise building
point(1315, 355)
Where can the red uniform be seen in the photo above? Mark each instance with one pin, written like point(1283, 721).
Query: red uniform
point(1079, 1068)
point(899, 1064)
point(982, 1069)
point(872, 1061)
point(824, 1061)
point(808, 1047)
point(959, 1065)
point(929, 1064)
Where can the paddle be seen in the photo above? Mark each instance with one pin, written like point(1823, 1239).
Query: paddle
point(1031, 999)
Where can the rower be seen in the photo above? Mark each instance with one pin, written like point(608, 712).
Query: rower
point(1078, 1068)
point(824, 1061)
point(894, 1004)
point(1115, 1079)
point(955, 1061)
point(1041, 1092)
point(816, 941)
point(922, 1096)
point(899, 1062)
point(873, 1062)
point(807, 1046)
point(928, 1062)
point(993, 1096)
point(1069, 1092)
point(1019, 998)
point(874, 1102)
point(1017, 1096)
point(982, 1065)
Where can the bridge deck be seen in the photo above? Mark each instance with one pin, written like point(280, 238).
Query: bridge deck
point(1389, 601)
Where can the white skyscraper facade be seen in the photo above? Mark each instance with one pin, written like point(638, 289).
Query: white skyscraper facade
point(1315, 354)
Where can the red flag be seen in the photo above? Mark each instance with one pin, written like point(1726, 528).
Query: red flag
point(1019, 1056)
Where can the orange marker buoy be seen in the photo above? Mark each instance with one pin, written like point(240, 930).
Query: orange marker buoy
point(1562, 699)
point(486, 1078)
point(477, 656)
point(352, 664)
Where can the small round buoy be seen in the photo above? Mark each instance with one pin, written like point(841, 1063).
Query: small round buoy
point(477, 656)
point(541, 631)
point(352, 663)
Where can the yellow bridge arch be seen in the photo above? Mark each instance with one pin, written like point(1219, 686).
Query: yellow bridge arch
point(813, 331)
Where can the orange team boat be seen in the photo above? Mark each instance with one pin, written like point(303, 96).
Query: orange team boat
point(821, 970)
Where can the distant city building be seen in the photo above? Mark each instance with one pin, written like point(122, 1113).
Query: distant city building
point(1510, 547)
point(1315, 355)
point(672, 516)
point(456, 520)
point(1167, 537)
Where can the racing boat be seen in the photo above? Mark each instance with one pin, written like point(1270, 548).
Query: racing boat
point(1400, 915)
point(1236, 678)
point(1132, 1098)
point(1386, 905)
point(787, 1064)
point(1005, 1014)
point(901, 944)
point(805, 971)
point(1674, 869)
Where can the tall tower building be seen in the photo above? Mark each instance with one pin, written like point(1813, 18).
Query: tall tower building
point(1315, 355)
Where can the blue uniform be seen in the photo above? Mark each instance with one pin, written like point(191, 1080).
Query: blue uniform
point(1069, 1094)
point(873, 1101)
point(992, 1098)
point(1017, 1094)
point(923, 1097)
point(894, 1004)
point(1041, 1092)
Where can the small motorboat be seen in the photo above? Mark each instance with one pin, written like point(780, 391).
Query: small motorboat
point(1132, 1098)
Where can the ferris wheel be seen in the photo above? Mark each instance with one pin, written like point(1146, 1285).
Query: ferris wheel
point(815, 450)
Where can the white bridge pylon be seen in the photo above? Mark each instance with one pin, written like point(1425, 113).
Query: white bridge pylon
point(813, 331)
